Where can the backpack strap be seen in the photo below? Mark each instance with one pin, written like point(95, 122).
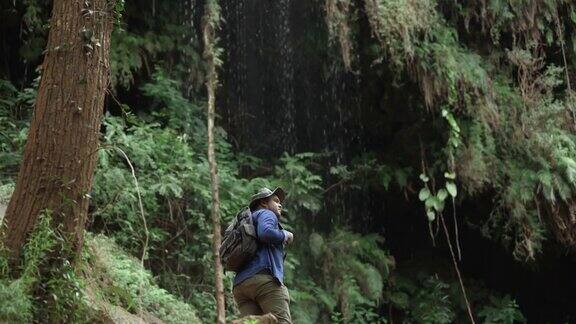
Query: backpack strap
point(255, 216)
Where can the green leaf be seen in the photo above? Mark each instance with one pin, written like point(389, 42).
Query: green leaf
point(453, 123)
point(429, 203)
point(431, 215)
point(452, 190)
point(402, 177)
point(450, 175)
point(438, 204)
point(424, 178)
point(424, 194)
point(442, 194)
point(399, 299)
point(549, 37)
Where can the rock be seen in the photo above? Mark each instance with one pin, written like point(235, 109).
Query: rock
point(149, 318)
point(260, 319)
point(120, 315)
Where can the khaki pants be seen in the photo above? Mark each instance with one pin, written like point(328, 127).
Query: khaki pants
point(262, 294)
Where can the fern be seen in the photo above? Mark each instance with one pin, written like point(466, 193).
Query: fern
point(501, 310)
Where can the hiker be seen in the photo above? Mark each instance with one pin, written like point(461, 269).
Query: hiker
point(258, 287)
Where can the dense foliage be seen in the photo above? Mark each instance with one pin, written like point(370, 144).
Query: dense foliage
point(509, 106)
point(491, 113)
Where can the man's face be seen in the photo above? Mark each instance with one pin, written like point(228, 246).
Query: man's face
point(273, 203)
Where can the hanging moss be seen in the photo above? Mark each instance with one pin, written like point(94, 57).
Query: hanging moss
point(338, 16)
point(516, 137)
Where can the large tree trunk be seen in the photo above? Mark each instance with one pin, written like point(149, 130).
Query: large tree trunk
point(211, 21)
point(60, 154)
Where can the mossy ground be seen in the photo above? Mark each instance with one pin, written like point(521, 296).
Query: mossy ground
point(115, 288)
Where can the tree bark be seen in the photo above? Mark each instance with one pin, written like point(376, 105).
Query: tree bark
point(211, 20)
point(59, 158)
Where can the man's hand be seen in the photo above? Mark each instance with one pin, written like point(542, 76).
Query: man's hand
point(288, 237)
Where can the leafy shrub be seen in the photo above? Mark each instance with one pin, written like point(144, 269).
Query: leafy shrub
point(48, 287)
point(431, 304)
point(16, 305)
point(6, 192)
point(501, 310)
point(349, 273)
point(15, 109)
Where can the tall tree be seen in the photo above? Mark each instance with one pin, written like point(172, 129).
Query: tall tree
point(57, 168)
point(210, 22)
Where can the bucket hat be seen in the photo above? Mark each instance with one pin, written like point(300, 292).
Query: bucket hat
point(265, 193)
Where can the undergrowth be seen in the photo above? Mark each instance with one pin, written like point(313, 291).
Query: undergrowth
point(49, 288)
point(120, 279)
point(46, 287)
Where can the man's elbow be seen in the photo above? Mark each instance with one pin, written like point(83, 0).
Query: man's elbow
point(269, 237)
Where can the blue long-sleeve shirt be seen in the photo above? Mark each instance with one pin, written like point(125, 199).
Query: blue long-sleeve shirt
point(270, 253)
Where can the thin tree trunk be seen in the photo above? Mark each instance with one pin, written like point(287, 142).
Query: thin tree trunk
point(57, 168)
point(211, 20)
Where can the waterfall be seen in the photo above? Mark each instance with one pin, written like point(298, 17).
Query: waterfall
point(285, 74)
point(276, 97)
